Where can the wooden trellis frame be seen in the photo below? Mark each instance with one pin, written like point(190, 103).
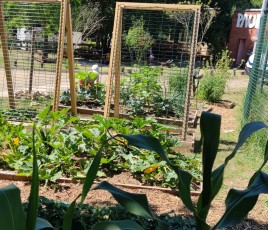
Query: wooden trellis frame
point(115, 57)
point(65, 24)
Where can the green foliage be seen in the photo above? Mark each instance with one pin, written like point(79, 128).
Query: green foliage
point(19, 114)
point(21, 18)
point(213, 84)
point(142, 93)
point(238, 202)
point(86, 78)
point(85, 216)
point(140, 89)
point(11, 211)
point(66, 147)
point(138, 39)
point(11, 208)
point(92, 96)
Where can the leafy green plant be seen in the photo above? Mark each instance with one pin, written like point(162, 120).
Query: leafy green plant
point(90, 97)
point(138, 40)
point(11, 211)
point(238, 202)
point(213, 84)
point(86, 78)
point(85, 216)
point(67, 146)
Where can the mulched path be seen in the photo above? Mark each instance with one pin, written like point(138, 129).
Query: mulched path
point(160, 202)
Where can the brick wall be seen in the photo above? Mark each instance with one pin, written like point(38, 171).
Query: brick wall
point(244, 27)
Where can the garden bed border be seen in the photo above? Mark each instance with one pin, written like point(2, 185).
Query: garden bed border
point(13, 176)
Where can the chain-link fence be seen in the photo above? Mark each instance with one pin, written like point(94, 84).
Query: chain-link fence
point(255, 107)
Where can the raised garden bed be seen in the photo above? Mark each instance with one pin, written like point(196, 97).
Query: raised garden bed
point(224, 103)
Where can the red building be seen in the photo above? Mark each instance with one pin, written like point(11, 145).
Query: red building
point(243, 35)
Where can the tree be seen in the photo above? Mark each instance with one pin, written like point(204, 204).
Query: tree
point(138, 40)
point(87, 19)
point(206, 20)
point(185, 19)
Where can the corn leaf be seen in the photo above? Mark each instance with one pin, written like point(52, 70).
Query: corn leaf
point(68, 216)
point(12, 216)
point(117, 225)
point(42, 223)
point(210, 125)
point(33, 199)
point(91, 175)
point(240, 202)
point(134, 203)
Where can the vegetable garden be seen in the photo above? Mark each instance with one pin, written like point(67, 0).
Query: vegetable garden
point(149, 81)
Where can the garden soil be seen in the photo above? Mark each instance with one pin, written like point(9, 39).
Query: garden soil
point(162, 202)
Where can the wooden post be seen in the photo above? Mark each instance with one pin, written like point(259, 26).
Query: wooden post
point(70, 51)
point(190, 74)
point(117, 65)
point(32, 61)
point(60, 54)
point(6, 61)
point(114, 65)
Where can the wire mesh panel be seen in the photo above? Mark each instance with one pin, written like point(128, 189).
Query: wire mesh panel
point(152, 60)
point(155, 57)
point(29, 40)
point(255, 107)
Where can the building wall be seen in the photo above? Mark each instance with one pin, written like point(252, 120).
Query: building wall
point(243, 33)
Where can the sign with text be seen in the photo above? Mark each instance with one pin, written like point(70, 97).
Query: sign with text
point(248, 20)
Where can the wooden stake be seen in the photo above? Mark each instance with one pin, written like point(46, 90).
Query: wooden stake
point(60, 54)
point(32, 61)
point(113, 66)
point(70, 51)
point(117, 61)
point(190, 74)
point(6, 60)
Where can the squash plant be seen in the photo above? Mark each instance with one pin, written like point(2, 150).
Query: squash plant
point(66, 147)
point(238, 202)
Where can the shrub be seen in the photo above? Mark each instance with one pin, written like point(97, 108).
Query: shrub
point(213, 84)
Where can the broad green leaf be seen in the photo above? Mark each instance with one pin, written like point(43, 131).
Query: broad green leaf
point(42, 223)
point(210, 125)
point(240, 202)
point(68, 216)
point(152, 144)
point(12, 216)
point(117, 225)
point(134, 203)
point(33, 199)
point(43, 115)
point(91, 174)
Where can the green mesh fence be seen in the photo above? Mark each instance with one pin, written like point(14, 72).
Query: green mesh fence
point(255, 107)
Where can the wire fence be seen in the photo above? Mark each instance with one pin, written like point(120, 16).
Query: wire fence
point(28, 52)
point(255, 107)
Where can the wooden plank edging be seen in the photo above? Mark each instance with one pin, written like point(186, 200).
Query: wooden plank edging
point(13, 176)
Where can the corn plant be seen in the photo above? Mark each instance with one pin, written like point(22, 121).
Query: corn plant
point(238, 202)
